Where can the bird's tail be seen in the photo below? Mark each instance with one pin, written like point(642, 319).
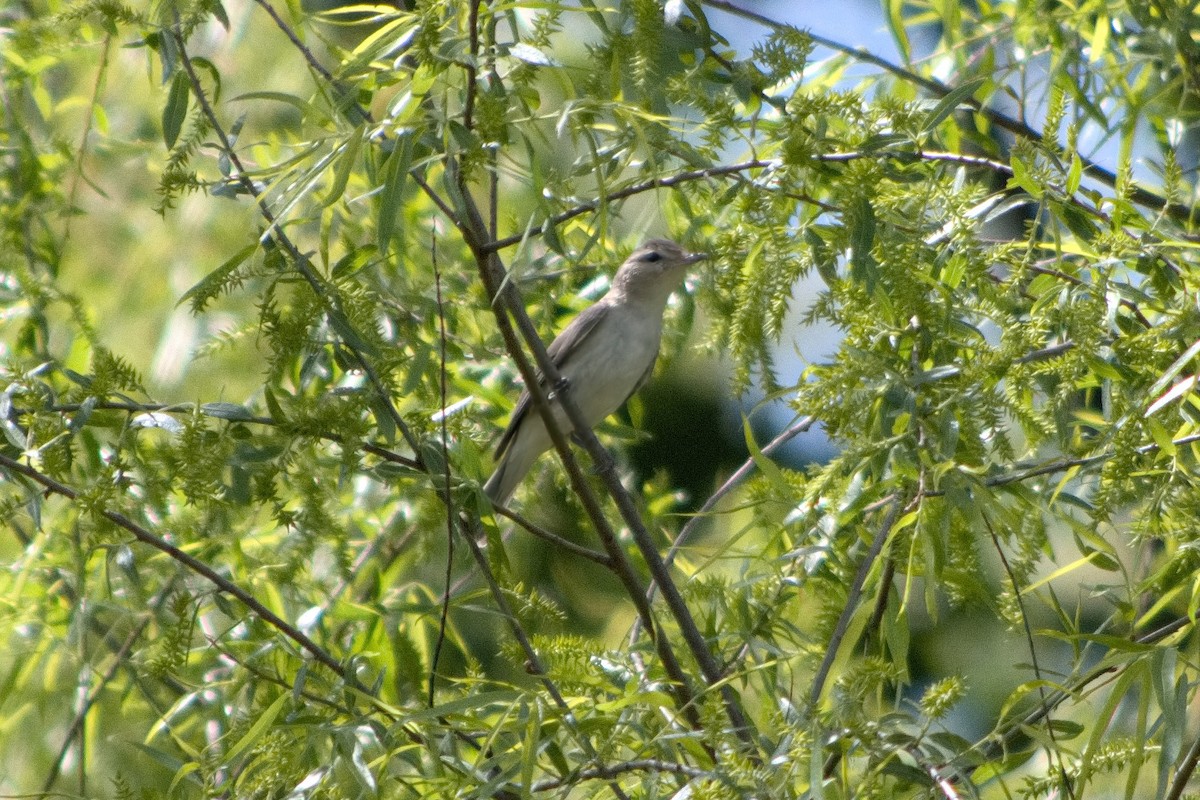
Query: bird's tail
point(509, 473)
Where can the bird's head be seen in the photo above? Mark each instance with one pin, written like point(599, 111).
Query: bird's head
point(654, 269)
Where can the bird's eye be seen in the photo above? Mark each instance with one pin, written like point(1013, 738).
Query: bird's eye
point(652, 257)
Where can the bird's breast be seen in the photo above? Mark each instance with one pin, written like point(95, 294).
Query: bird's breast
point(606, 368)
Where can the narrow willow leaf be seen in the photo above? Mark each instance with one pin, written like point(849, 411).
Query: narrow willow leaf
point(257, 730)
point(862, 238)
point(765, 465)
point(1098, 43)
point(219, 12)
point(229, 411)
point(395, 174)
point(157, 420)
point(950, 102)
point(347, 160)
point(1180, 389)
point(215, 282)
point(175, 111)
point(895, 18)
point(307, 110)
point(1173, 371)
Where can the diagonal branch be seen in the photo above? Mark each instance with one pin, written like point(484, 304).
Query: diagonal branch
point(195, 565)
point(498, 287)
point(852, 598)
point(621, 194)
point(298, 259)
point(1138, 194)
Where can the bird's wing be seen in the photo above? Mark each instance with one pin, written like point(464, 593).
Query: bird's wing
point(559, 350)
point(642, 380)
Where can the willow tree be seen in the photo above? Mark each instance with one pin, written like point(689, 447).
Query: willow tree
point(272, 276)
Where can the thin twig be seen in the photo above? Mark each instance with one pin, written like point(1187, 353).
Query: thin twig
point(533, 663)
point(739, 475)
point(1054, 753)
point(621, 194)
point(851, 605)
point(195, 565)
point(1183, 772)
point(314, 64)
point(938, 89)
point(731, 482)
point(98, 688)
point(299, 261)
point(250, 419)
point(608, 771)
point(553, 538)
point(449, 497)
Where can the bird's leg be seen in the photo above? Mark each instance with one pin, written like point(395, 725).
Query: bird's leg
point(603, 464)
point(561, 385)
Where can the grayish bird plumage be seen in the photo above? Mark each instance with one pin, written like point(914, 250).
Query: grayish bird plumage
point(605, 355)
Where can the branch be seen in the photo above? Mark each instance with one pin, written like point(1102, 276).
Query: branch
point(315, 65)
point(195, 565)
point(252, 419)
point(621, 194)
point(533, 662)
point(736, 478)
point(553, 538)
point(444, 619)
point(996, 745)
point(499, 288)
point(494, 278)
point(299, 260)
point(920, 155)
point(1138, 195)
point(98, 688)
point(856, 590)
point(613, 770)
point(1183, 772)
point(1054, 751)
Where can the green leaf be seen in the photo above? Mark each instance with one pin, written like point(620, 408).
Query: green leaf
point(764, 463)
point(1177, 366)
point(306, 109)
point(1074, 174)
point(395, 175)
point(1022, 179)
point(216, 281)
point(214, 75)
point(950, 102)
point(230, 411)
point(257, 730)
point(1098, 41)
point(219, 12)
point(175, 112)
point(1077, 221)
point(863, 267)
point(347, 160)
point(185, 772)
point(273, 406)
point(895, 18)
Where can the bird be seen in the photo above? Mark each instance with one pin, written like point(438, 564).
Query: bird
point(605, 355)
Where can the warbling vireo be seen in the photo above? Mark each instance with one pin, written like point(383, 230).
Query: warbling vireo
point(605, 355)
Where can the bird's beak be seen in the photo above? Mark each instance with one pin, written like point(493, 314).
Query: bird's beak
point(694, 257)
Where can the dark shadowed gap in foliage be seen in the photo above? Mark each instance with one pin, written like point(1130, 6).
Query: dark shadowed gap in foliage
point(692, 435)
